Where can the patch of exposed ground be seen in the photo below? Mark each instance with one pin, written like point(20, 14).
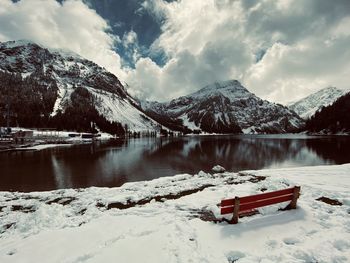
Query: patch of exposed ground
point(162, 198)
point(329, 201)
point(158, 198)
point(61, 200)
point(5, 227)
point(24, 209)
point(253, 179)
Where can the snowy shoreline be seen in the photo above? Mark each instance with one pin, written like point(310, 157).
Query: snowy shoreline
point(37, 146)
point(60, 139)
point(170, 220)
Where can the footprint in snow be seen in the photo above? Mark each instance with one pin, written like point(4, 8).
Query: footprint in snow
point(304, 256)
point(341, 245)
point(272, 244)
point(83, 258)
point(311, 232)
point(291, 241)
point(233, 256)
point(12, 252)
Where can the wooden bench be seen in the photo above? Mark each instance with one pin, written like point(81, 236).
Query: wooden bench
point(243, 205)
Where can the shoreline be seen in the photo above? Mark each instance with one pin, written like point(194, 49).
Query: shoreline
point(66, 141)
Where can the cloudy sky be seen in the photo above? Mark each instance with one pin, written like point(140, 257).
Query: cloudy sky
point(280, 50)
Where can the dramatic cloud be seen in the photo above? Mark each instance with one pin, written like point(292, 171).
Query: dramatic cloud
point(281, 50)
point(200, 49)
point(309, 50)
point(70, 25)
point(290, 72)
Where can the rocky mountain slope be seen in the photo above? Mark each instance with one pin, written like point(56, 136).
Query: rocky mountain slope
point(226, 107)
point(307, 106)
point(74, 81)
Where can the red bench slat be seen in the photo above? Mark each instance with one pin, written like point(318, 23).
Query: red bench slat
point(226, 210)
point(253, 198)
point(266, 202)
point(229, 210)
point(227, 202)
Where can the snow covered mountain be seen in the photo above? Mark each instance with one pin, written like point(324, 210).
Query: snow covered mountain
point(227, 107)
point(307, 106)
point(67, 71)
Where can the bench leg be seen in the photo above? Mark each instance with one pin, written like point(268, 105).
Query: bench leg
point(296, 194)
point(234, 219)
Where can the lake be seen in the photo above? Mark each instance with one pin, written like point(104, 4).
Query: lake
point(116, 162)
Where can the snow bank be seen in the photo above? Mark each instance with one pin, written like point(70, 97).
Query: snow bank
point(168, 220)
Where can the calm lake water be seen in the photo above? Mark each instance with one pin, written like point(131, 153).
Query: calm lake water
point(116, 162)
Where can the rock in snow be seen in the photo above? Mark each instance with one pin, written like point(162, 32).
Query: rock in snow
point(169, 220)
point(218, 169)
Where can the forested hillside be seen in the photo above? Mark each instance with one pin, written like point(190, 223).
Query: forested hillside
point(332, 119)
point(28, 102)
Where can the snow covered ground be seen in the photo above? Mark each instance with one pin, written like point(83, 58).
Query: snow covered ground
point(170, 220)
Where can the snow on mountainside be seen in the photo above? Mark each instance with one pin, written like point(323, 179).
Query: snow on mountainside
point(69, 71)
point(228, 107)
point(308, 106)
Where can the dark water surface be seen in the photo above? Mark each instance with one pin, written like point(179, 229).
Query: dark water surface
point(116, 162)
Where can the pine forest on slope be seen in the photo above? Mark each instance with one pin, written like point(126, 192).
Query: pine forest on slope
point(60, 89)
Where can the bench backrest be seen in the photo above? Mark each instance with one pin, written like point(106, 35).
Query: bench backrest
point(247, 203)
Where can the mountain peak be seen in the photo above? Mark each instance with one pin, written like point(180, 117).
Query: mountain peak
point(224, 84)
point(328, 89)
point(17, 43)
point(231, 89)
point(30, 45)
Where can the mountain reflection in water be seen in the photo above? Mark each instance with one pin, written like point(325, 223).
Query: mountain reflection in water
point(116, 162)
